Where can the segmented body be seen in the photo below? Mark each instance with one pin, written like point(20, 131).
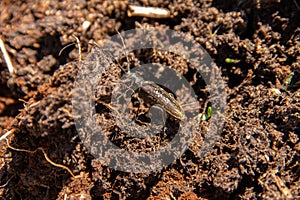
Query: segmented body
point(160, 96)
point(163, 98)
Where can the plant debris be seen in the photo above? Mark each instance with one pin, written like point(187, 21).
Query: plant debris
point(257, 155)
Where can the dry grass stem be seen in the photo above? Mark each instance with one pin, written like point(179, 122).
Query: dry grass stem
point(151, 12)
point(4, 136)
point(6, 57)
point(79, 47)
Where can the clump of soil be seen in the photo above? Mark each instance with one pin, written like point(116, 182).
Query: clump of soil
point(256, 47)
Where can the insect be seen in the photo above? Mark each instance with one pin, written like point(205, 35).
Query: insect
point(157, 93)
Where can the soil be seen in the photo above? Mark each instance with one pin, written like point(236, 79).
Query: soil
point(257, 155)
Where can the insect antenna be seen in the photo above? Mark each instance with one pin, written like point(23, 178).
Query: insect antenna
point(73, 43)
point(125, 51)
point(60, 52)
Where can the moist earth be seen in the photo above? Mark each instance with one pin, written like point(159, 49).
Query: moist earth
point(255, 45)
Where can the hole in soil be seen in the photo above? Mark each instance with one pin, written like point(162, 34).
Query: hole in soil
point(9, 106)
point(51, 45)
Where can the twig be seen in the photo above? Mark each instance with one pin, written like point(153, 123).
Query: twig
point(46, 157)
point(151, 12)
point(6, 57)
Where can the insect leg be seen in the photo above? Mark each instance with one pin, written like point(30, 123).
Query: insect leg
point(125, 51)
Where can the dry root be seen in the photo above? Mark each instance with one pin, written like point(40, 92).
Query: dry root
point(46, 157)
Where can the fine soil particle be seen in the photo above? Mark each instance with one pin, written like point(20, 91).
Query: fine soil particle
point(256, 46)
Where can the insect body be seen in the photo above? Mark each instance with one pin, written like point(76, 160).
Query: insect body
point(158, 94)
point(163, 98)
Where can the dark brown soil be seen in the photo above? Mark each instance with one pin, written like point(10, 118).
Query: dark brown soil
point(258, 153)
